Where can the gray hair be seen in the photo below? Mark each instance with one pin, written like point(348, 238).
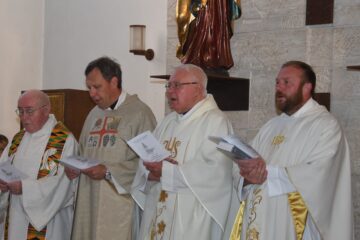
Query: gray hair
point(197, 73)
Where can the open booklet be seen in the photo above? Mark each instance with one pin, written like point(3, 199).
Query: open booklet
point(148, 147)
point(235, 146)
point(78, 162)
point(9, 173)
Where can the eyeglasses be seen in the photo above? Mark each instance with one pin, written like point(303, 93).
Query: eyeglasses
point(27, 111)
point(177, 85)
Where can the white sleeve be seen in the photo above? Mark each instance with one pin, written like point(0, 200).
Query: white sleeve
point(171, 179)
point(238, 183)
point(140, 184)
point(142, 176)
point(278, 182)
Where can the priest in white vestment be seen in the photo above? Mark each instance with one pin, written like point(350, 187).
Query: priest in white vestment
point(41, 205)
point(188, 195)
point(300, 187)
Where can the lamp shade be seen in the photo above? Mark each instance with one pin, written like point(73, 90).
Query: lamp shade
point(137, 37)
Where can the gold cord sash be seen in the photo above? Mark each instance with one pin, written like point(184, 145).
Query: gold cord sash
point(236, 229)
point(299, 213)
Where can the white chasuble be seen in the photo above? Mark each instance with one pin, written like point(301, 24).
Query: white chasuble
point(311, 147)
point(199, 209)
point(46, 202)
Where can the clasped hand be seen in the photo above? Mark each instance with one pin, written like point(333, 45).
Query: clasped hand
point(13, 187)
point(97, 172)
point(253, 170)
point(155, 168)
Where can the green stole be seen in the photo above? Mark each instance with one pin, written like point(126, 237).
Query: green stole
point(56, 141)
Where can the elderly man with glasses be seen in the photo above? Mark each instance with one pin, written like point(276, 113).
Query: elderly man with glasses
point(186, 196)
point(41, 204)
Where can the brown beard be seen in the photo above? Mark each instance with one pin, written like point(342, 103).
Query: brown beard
point(292, 103)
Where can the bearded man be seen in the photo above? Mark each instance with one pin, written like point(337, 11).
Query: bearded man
point(300, 187)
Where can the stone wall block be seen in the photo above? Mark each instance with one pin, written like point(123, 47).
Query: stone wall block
point(268, 50)
point(319, 42)
point(346, 12)
point(346, 43)
point(258, 117)
point(345, 84)
point(239, 120)
point(262, 89)
point(172, 60)
point(323, 78)
point(353, 137)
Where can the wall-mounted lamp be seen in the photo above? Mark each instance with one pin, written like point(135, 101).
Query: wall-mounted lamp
point(137, 42)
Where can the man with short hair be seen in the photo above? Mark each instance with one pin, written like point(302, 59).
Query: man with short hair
point(42, 204)
point(186, 196)
point(300, 187)
point(104, 206)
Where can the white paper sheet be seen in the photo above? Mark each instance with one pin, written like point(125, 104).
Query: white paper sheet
point(9, 173)
point(79, 162)
point(148, 147)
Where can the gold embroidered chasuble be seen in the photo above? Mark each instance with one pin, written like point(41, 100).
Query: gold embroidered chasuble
point(101, 212)
point(312, 148)
point(199, 210)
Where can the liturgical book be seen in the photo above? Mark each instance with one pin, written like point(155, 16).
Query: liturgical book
point(235, 146)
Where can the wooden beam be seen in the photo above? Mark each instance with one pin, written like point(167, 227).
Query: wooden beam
point(323, 99)
point(353, 68)
point(319, 12)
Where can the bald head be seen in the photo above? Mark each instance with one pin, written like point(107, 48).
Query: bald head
point(196, 73)
point(186, 87)
point(36, 95)
point(33, 110)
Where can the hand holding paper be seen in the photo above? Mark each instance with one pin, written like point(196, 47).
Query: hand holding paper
point(148, 147)
point(71, 173)
point(95, 172)
point(253, 170)
point(234, 145)
point(3, 186)
point(9, 173)
point(79, 162)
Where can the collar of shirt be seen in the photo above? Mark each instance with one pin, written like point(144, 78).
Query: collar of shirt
point(306, 107)
point(120, 100)
point(183, 116)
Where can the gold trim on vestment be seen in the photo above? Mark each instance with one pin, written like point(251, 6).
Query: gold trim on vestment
point(236, 229)
point(299, 213)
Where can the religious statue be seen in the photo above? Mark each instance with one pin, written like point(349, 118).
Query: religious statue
point(204, 30)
